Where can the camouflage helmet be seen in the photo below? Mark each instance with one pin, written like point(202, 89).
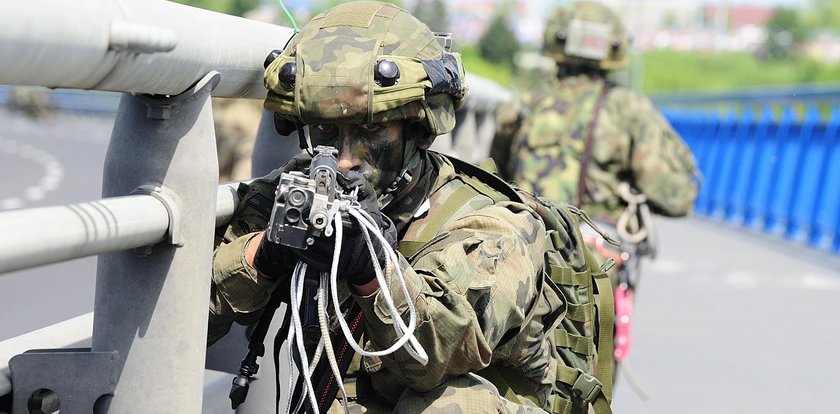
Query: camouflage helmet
point(366, 62)
point(586, 33)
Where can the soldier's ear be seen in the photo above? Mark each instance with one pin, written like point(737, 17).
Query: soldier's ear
point(418, 132)
point(283, 126)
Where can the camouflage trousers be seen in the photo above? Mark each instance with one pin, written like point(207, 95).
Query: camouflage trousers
point(465, 394)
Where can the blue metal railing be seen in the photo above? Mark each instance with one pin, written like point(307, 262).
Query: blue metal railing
point(770, 158)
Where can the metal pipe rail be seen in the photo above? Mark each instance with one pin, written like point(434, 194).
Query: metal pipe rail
point(139, 46)
point(770, 157)
point(75, 333)
point(812, 92)
point(150, 306)
point(48, 235)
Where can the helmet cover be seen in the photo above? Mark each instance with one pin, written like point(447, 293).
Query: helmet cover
point(365, 62)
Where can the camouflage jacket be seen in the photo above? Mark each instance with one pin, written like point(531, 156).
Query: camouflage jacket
point(540, 141)
point(477, 287)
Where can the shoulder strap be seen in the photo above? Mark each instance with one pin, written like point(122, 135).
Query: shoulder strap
point(587, 150)
point(477, 181)
point(485, 177)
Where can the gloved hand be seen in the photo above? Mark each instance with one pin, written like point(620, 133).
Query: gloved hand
point(299, 162)
point(355, 263)
point(272, 259)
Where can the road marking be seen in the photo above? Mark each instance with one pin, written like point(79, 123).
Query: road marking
point(53, 173)
point(741, 279)
point(811, 281)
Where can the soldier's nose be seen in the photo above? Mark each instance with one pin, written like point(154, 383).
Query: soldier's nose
point(345, 163)
point(345, 158)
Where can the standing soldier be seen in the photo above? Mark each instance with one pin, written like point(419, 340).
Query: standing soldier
point(584, 140)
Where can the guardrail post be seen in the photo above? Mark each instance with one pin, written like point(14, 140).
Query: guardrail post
point(742, 145)
point(828, 187)
point(776, 148)
point(704, 151)
point(151, 303)
point(802, 192)
point(752, 205)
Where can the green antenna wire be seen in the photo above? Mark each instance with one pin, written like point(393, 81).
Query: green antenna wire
point(289, 15)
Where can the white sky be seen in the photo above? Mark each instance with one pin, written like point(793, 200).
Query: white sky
point(788, 3)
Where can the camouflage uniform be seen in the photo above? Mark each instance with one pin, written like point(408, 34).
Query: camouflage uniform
point(236, 121)
point(477, 285)
point(631, 142)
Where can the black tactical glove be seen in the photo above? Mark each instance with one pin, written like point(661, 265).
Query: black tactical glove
point(272, 259)
point(355, 263)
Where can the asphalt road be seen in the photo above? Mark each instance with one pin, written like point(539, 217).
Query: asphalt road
point(727, 320)
point(732, 321)
point(52, 161)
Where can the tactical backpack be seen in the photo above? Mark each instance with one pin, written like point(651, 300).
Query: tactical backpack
point(584, 336)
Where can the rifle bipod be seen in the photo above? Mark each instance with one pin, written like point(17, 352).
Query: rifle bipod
point(256, 348)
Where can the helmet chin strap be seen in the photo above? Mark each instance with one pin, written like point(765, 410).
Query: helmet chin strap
point(406, 176)
point(304, 141)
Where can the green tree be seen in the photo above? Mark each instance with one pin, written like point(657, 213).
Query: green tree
point(825, 14)
point(233, 7)
point(786, 32)
point(498, 44)
point(433, 13)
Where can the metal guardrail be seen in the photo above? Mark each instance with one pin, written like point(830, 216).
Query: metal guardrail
point(152, 231)
point(776, 95)
point(770, 158)
point(166, 59)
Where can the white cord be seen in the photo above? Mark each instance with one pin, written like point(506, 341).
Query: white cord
point(405, 334)
point(325, 337)
point(297, 280)
point(413, 348)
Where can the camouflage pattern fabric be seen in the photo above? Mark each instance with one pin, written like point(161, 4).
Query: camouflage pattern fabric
point(477, 288)
point(538, 145)
point(358, 35)
point(236, 121)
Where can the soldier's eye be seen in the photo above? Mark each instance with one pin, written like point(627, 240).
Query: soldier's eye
point(370, 127)
point(326, 129)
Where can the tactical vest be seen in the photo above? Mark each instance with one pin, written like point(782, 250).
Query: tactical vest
point(584, 335)
point(551, 150)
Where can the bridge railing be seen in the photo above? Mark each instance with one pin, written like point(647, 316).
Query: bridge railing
point(770, 158)
point(161, 200)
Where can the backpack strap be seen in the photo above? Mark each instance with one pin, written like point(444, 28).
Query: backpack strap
point(476, 182)
point(587, 149)
point(485, 178)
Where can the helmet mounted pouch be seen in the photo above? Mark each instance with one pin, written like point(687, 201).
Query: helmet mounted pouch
point(589, 40)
